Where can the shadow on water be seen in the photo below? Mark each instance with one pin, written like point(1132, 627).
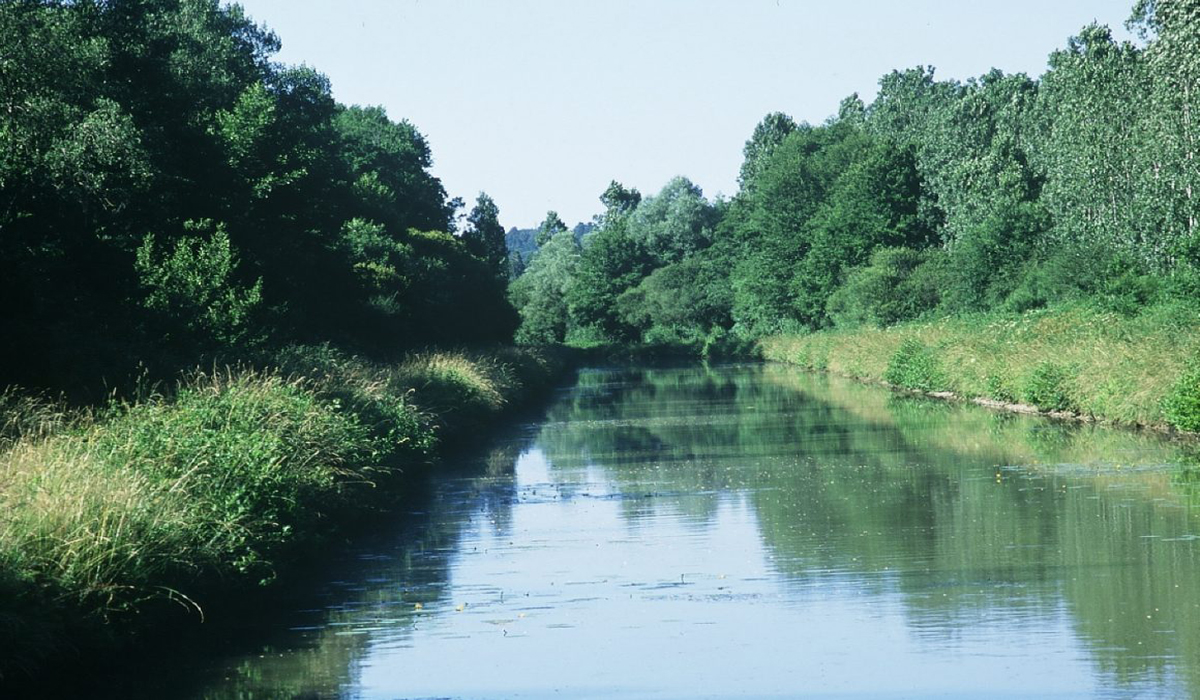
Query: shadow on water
point(944, 545)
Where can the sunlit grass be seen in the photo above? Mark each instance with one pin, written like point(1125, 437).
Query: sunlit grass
point(1112, 367)
point(215, 482)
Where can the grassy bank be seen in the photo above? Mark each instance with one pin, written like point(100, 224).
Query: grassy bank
point(1138, 370)
point(115, 519)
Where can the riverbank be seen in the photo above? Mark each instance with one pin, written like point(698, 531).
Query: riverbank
point(1071, 361)
point(122, 519)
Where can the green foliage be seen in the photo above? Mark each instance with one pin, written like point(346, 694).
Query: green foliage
point(989, 258)
point(120, 119)
point(899, 284)
point(540, 294)
point(612, 263)
point(1182, 405)
point(997, 387)
point(674, 223)
point(193, 290)
point(768, 135)
point(485, 236)
point(685, 301)
point(549, 228)
point(1049, 387)
point(915, 366)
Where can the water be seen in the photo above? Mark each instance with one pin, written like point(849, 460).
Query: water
point(754, 531)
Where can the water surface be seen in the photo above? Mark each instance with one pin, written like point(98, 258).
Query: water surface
point(754, 531)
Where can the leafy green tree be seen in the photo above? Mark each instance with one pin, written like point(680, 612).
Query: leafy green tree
point(675, 223)
point(767, 222)
point(390, 163)
point(619, 201)
point(540, 294)
point(874, 202)
point(768, 134)
point(485, 236)
point(1171, 186)
point(1093, 103)
point(193, 292)
point(550, 227)
point(899, 284)
point(612, 262)
point(681, 302)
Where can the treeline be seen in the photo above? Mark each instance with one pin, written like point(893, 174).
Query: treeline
point(169, 194)
point(1003, 193)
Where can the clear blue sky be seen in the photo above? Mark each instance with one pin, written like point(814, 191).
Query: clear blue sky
point(541, 103)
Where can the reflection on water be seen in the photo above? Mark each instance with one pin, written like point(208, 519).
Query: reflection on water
point(757, 532)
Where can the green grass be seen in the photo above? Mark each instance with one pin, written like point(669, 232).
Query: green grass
point(1095, 363)
point(215, 484)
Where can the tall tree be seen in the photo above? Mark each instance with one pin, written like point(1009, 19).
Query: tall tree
point(675, 223)
point(1092, 148)
point(540, 294)
point(485, 236)
point(1173, 55)
point(768, 134)
point(549, 228)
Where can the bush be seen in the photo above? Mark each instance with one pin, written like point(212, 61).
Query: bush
point(1182, 405)
point(900, 284)
point(997, 388)
point(1047, 387)
point(915, 366)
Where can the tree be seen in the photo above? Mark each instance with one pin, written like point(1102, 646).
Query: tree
point(681, 302)
point(485, 236)
point(540, 294)
point(768, 134)
point(193, 293)
point(619, 201)
point(549, 228)
point(1092, 102)
point(675, 223)
point(612, 262)
point(389, 163)
point(1172, 183)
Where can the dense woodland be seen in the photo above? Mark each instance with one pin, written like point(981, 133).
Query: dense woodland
point(169, 195)
point(1003, 193)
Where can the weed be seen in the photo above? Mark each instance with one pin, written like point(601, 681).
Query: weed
point(1048, 387)
point(914, 366)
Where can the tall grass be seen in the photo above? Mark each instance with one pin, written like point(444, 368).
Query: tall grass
point(215, 483)
point(1078, 358)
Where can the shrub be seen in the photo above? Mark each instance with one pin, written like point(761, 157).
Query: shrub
point(915, 366)
point(1182, 405)
point(1047, 387)
point(453, 381)
point(900, 284)
point(997, 388)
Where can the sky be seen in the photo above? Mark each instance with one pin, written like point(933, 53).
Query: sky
point(541, 103)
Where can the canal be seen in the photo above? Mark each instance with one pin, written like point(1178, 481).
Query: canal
point(755, 531)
